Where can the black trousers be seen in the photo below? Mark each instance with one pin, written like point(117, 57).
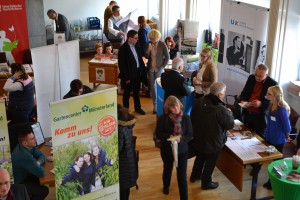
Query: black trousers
point(204, 166)
point(124, 194)
point(255, 122)
point(35, 190)
point(134, 85)
point(181, 172)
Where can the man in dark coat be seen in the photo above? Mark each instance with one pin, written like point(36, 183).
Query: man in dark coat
point(210, 120)
point(11, 192)
point(77, 89)
point(132, 70)
point(62, 24)
point(173, 82)
point(253, 99)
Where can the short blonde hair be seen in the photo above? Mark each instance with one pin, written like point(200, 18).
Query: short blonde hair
point(277, 92)
point(98, 45)
point(154, 35)
point(170, 102)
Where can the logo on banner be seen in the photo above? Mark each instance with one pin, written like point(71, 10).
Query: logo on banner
point(107, 125)
point(240, 24)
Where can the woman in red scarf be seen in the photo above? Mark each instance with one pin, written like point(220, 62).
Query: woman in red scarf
point(174, 126)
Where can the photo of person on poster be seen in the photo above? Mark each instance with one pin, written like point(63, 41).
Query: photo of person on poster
point(235, 52)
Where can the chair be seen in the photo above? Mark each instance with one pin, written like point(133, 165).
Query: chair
point(237, 110)
point(3, 58)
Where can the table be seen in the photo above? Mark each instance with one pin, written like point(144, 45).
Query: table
point(189, 100)
point(282, 188)
point(232, 160)
point(103, 71)
point(48, 179)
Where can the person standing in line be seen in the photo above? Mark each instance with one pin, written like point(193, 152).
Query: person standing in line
point(128, 170)
point(253, 98)
point(206, 75)
point(210, 120)
point(11, 192)
point(143, 31)
point(278, 121)
point(107, 14)
point(158, 56)
point(62, 24)
point(132, 70)
point(21, 94)
point(27, 161)
point(174, 125)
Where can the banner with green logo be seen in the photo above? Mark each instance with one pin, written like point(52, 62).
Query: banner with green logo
point(5, 156)
point(85, 141)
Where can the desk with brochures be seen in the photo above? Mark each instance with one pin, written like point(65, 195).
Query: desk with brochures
point(241, 150)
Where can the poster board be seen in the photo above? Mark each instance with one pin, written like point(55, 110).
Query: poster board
point(5, 155)
point(80, 125)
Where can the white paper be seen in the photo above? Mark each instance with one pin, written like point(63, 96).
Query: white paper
point(110, 61)
point(175, 152)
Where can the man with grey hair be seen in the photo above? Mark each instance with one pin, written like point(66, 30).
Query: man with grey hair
point(173, 82)
point(254, 101)
point(210, 120)
point(8, 191)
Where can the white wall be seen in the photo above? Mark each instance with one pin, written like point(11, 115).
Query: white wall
point(81, 9)
point(291, 55)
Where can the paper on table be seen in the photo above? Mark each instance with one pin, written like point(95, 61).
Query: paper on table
point(238, 122)
point(107, 61)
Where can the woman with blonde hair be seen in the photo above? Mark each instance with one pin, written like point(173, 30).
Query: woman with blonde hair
point(174, 125)
point(158, 57)
point(278, 122)
point(206, 75)
point(143, 31)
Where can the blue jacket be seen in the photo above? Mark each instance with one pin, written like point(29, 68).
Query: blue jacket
point(278, 124)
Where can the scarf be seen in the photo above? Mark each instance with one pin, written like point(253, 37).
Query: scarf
point(176, 119)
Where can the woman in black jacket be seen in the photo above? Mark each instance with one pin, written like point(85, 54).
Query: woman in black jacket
point(128, 172)
point(174, 125)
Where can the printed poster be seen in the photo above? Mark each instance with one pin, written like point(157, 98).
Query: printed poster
point(85, 146)
point(100, 74)
point(13, 30)
point(5, 156)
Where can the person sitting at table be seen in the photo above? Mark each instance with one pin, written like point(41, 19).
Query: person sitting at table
point(75, 173)
point(173, 82)
point(107, 50)
point(206, 75)
point(21, 94)
point(99, 49)
point(11, 192)
point(27, 161)
point(210, 120)
point(278, 122)
point(77, 89)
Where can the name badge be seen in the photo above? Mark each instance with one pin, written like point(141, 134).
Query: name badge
point(273, 118)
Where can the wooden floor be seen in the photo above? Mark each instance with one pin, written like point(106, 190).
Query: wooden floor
point(150, 165)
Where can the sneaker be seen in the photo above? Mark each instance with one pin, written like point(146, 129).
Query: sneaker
point(166, 191)
point(210, 185)
point(140, 111)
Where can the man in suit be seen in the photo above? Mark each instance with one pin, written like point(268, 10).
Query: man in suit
point(62, 24)
point(8, 191)
point(27, 161)
point(173, 82)
point(132, 70)
point(254, 101)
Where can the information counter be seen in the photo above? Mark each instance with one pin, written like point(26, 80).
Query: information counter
point(283, 188)
point(103, 71)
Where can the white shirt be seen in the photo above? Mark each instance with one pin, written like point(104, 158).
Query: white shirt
point(111, 26)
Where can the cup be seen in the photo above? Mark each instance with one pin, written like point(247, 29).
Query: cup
point(295, 164)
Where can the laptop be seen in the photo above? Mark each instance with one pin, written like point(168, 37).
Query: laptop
point(37, 131)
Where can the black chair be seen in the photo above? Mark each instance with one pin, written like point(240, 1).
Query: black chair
point(3, 58)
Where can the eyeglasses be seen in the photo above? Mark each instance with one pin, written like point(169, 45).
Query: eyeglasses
point(203, 56)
